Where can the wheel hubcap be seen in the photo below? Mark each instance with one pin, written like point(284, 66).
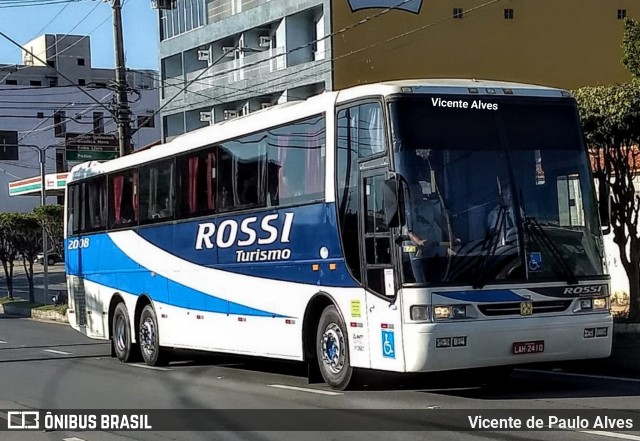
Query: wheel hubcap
point(121, 337)
point(147, 336)
point(333, 348)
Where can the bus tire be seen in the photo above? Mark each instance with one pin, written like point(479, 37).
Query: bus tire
point(332, 349)
point(121, 343)
point(149, 339)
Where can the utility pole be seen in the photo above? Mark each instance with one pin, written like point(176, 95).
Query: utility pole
point(123, 114)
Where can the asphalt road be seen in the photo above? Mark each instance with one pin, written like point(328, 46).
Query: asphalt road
point(50, 366)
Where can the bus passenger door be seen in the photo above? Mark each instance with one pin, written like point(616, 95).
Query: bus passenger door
point(379, 274)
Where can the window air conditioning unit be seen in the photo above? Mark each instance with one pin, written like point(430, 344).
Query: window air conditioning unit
point(205, 116)
point(230, 114)
point(265, 41)
point(203, 55)
point(228, 51)
point(163, 4)
point(265, 105)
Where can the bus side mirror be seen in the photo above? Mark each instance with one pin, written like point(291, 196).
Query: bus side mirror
point(604, 205)
point(393, 214)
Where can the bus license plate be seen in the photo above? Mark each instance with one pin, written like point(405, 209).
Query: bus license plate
point(528, 347)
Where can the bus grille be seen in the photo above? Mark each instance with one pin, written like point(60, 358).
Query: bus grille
point(545, 307)
point(80, 299)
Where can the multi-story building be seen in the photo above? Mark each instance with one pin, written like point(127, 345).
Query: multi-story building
point(238, 56)
point(42, 102)
point(223, 58)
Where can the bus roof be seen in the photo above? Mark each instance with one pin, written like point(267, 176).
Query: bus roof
point(296, 110)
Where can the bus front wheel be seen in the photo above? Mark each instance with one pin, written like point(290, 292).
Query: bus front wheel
point(332, 350)
point(121, 343)
point(149, 340)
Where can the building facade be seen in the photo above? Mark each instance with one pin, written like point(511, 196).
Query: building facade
point(40, 108)
point(239, 56)
point(224, 58)
point(559, 43)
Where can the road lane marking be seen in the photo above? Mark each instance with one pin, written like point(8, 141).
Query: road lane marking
point(570, 374)
point(304, 389)
point(611, 434)
point(53, 351)
point(72, 439)
point(155, 368)
point(3, 342)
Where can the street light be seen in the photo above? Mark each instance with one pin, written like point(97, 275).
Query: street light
point(42, 157)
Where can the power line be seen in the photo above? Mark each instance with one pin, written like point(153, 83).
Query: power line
point(354, 52)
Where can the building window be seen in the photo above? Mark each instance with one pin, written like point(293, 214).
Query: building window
point(11, 82)
point(35, 83)
point(40, 115)
point(82, 82)
point(622, 13)
point(508, 14)
point(146, 121)
point(457, 12)
point(53, 82)
point(98, 122)
point(103, 85)
point(80, 61)
point(59, 124)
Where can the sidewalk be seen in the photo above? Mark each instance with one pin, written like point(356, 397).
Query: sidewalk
point(56, 284)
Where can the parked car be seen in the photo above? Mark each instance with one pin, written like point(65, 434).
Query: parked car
point(52, 258)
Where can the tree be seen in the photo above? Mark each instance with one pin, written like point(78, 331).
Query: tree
point(28, 241)
point(8, 249)
point(631, 46)
point(611, 122)
point(51, 218)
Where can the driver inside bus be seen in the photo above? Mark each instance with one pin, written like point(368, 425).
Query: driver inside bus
point(426, 227)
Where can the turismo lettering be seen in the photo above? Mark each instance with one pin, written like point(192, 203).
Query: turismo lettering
point(246, 233)
point(461, 104)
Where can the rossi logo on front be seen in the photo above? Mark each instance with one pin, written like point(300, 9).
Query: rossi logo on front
point(246, 233)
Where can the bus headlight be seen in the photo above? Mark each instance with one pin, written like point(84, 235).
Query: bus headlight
point(419, 312)
point(442, 312)
point(592, 304)
point(600, 303)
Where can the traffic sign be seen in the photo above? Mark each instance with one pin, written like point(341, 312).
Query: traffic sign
point(90, 155)
point(91, 146)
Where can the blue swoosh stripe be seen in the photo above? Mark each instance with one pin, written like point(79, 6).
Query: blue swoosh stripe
point(137, 280)
point(489, 296)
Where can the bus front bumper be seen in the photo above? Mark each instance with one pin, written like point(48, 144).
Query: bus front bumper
point(462, 345)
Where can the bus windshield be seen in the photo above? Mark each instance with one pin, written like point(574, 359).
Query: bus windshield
point(495, 189)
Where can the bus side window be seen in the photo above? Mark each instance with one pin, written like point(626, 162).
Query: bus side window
point(123, 207)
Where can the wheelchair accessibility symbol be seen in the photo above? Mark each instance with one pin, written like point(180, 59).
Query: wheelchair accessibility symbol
point(388, 344)
point(534, 262)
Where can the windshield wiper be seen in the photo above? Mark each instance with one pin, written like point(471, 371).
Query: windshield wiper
point(535, 230)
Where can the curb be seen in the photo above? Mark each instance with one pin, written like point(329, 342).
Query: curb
point(14, 310)
point(49, 316)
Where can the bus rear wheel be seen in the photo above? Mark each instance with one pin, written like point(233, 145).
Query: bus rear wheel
point(149, 339)
point(124, 349)
point(332, 350)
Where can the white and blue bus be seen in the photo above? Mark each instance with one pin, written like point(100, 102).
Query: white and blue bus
point(410, 226)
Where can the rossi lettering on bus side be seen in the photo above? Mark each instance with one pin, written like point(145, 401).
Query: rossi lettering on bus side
point(247, 233)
